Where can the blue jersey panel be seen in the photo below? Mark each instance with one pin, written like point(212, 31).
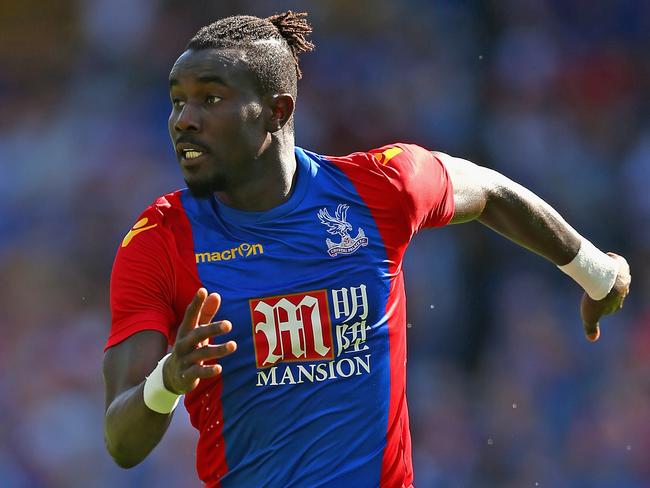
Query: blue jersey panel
point(305, 398)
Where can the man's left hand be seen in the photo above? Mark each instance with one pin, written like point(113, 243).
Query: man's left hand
point(592, 310)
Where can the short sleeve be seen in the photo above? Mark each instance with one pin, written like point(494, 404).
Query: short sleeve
point(142, 281)
point(422, 181)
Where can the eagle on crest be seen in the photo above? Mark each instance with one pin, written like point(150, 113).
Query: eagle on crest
point(337, 224)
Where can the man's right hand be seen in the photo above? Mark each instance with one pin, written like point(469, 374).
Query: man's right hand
point(185, 367)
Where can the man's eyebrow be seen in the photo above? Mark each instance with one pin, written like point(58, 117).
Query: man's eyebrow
point(202, 79)
point(212, 79)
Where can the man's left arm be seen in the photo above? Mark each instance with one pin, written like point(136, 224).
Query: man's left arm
point(518, 214)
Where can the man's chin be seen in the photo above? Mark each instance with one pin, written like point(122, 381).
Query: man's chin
point(203, 189)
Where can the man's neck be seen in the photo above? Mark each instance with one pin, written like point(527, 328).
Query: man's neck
point(270, 184)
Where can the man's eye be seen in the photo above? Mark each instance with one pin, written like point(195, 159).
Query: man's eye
point(178, 103)
point(212, 99)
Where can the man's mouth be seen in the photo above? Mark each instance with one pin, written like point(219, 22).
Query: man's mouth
point(192, 154)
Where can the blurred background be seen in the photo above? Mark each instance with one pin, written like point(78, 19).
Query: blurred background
point(504, 390)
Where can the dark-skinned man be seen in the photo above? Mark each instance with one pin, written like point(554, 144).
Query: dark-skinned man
point(276, 277)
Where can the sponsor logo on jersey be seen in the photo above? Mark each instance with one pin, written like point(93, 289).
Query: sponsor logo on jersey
point(244, 250)
point(296, 329)
point(339, 225)
point(291, 328)
point(138, 227)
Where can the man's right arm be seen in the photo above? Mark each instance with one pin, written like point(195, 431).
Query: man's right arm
point(131, 428)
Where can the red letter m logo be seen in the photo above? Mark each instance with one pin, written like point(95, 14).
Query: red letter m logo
point(291, 328)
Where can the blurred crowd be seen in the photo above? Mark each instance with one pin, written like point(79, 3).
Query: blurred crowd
point(504, 390)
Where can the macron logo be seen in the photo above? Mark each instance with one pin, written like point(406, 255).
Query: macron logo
point(244, 250)
point(138, 227)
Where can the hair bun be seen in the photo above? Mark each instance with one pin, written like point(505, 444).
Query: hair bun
point(294, 28)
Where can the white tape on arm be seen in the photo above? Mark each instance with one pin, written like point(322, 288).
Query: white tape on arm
point(156, 396)
point(593, 270)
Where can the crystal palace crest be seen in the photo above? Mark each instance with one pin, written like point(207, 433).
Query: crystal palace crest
point(338, 225)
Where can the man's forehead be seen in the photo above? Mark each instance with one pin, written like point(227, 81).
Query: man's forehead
point(205, 63)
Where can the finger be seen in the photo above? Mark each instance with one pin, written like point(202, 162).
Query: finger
point(190, 376)
point(210, 308)
point(191, 317)
point(592, 331)
point(624, 266)
point(624, 278)
point(591, 311)
point(200, 372)
point(208, 311)
point(211, 352)
point(200, 336)
point(208, 331)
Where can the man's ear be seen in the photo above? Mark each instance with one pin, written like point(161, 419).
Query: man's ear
point(282, 106)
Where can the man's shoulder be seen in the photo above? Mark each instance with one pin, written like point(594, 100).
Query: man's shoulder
point(158, 221)
point(163, 212)
point(169, 202)
point(380, 156)
point(166, 208)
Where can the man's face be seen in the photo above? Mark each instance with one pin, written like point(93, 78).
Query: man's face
point(217, 121)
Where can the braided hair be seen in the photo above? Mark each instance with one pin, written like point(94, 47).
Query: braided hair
point(271, 46)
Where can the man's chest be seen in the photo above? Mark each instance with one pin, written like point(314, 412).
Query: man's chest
point(306, 289)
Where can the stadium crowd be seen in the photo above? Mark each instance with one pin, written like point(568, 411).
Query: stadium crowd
point(504, 390)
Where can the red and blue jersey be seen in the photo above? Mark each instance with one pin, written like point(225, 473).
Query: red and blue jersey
point(315, 395)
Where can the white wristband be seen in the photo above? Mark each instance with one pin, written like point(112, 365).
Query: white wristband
point(156, 396)
point(593, 270)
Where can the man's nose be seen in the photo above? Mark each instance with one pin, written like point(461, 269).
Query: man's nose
point(188, 119)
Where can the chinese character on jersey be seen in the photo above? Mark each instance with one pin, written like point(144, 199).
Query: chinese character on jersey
point(351, 304)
